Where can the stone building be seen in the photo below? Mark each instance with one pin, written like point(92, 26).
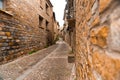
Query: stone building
point(25, 26)
point(97, 39)
point(69, 23)
point(56, 28)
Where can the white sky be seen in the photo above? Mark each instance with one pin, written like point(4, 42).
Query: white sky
point(58, 8)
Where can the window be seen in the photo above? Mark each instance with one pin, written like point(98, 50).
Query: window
point(47, 9)
point(40, 21)
point(41, 4)
point(1, 4)
point(47, 25)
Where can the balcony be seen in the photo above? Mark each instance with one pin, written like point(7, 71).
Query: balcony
point(71, 14)
point(71, 17)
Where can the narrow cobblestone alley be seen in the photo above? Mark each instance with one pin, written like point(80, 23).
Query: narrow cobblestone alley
point(59, 39)
point(47, 64)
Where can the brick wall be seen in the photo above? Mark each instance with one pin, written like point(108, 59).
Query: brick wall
point(20, 32)
point(97, 39)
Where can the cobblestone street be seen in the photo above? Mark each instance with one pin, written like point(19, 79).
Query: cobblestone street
point(48, 64)
point(59, 39)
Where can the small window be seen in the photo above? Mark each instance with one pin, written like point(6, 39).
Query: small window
point(40, 21)
point(41, 4)
point(47, 25)
point(1, 4)
point(47, 9)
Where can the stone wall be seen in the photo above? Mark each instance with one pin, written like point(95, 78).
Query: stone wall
point(17, 39)
point(56, 30)
point(28, 13)
point(98, 39)
point(20, 30)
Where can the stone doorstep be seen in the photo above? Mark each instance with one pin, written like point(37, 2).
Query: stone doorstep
point(71, 58)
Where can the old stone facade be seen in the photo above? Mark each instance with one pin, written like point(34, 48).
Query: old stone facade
point(25, 26)
point(56, 28)
point(97, 36)
point(69, 23)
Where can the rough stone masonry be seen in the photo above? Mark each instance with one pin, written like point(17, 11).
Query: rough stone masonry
point(25, 26)
point(98, 39)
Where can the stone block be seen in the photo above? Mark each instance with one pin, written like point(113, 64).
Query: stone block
point(96, 21)
point(0, 28)
point(7, 40)
point(4, 44)
point(89, 15)
point(2, 33)
point(8, 34)
point(2, 24)
point(95, 7)
point(99, 37)
point(10, 37)
point(0, 44)
point(3, 48)
point(114, 35)
point(1, 40)
point(1, 59)
point(107, 67)
point(7, 58)
point(104, 4)
point(10, 43)
point(4, 37)
point(17, 41)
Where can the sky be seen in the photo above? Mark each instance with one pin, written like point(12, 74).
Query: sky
point(59, 6)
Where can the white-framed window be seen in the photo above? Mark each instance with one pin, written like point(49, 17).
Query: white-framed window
point(1, 4)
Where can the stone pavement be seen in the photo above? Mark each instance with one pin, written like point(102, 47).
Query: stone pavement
point(48, 64)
